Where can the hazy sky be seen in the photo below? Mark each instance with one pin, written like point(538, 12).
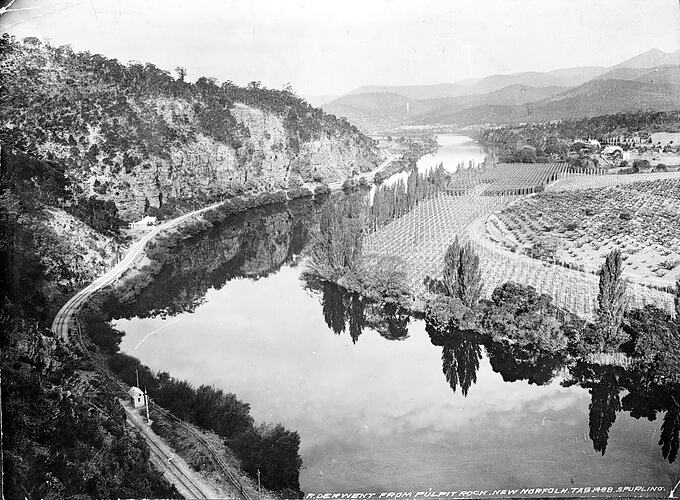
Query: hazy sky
point(330, 47)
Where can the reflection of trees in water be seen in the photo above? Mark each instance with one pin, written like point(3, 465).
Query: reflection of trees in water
point(644, 399)
point(604, 404)
point(343, 310)
point(460, 362)
point(523, 362)
point(333, 305)
point(461, 353)
point(349, 311)
point(252, 244)
point(669, 434)
point(394, 320)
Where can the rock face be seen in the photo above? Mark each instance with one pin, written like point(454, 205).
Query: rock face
point(205, 168)
point(134, 135)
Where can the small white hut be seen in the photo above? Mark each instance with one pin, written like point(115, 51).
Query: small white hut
point(136, 397)
point(144, 223)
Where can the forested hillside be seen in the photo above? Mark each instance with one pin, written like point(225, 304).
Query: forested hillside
point(135, 135)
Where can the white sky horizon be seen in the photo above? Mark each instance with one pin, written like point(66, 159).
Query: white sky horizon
point(330, 48)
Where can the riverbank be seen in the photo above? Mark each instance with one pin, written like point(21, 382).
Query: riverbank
point(123, 287)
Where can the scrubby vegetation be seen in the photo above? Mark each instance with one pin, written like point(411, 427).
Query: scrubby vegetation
point(272, 449)
point(63, 434)
point(114, 97)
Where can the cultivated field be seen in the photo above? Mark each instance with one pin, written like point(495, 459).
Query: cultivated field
point(585, 181)
point(422, 236)
point(521, 178)
point(579, 227)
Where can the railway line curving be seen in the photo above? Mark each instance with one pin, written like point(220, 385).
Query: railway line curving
point(65, 325)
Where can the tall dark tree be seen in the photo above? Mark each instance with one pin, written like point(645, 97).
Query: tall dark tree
point(462, 276)
point(611, 301)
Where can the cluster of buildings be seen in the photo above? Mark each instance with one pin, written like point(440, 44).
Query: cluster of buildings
point(613, 149)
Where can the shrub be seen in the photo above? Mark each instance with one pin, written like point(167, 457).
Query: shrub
point(274, 452)
point(655, 339)
point(383, 277)
point(444, 312)
point(518, 314)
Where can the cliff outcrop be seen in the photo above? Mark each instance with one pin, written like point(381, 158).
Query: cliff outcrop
point(134, 135)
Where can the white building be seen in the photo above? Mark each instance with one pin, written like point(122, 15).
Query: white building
point(144, 223)
point(136, 397)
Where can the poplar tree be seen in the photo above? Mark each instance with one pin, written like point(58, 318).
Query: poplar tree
point(611, 301)
point(462, 276)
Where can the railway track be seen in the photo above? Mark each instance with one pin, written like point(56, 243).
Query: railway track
point(65, 324)
point(62, 321)
point(165, 462)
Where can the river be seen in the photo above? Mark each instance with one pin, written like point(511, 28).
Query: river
point(381, 406)
point(453, 150)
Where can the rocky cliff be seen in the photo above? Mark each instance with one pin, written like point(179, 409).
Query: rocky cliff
point(134, 135)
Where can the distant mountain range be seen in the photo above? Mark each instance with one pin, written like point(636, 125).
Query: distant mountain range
point(649, 81)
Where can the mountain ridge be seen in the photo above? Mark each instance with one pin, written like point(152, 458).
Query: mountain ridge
point(652, 88)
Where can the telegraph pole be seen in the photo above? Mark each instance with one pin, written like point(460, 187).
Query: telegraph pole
point(259, 486)
point(146, 403)
point(137, 375)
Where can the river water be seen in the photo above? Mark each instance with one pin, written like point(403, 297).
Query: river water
point(453, 151)
point(383, 406)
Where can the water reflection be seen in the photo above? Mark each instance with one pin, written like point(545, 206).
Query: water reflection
point(347, 311)
point(524, 362)
point(460, 362)
point(356, 399)
point(645, 399)
point(251, 245)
